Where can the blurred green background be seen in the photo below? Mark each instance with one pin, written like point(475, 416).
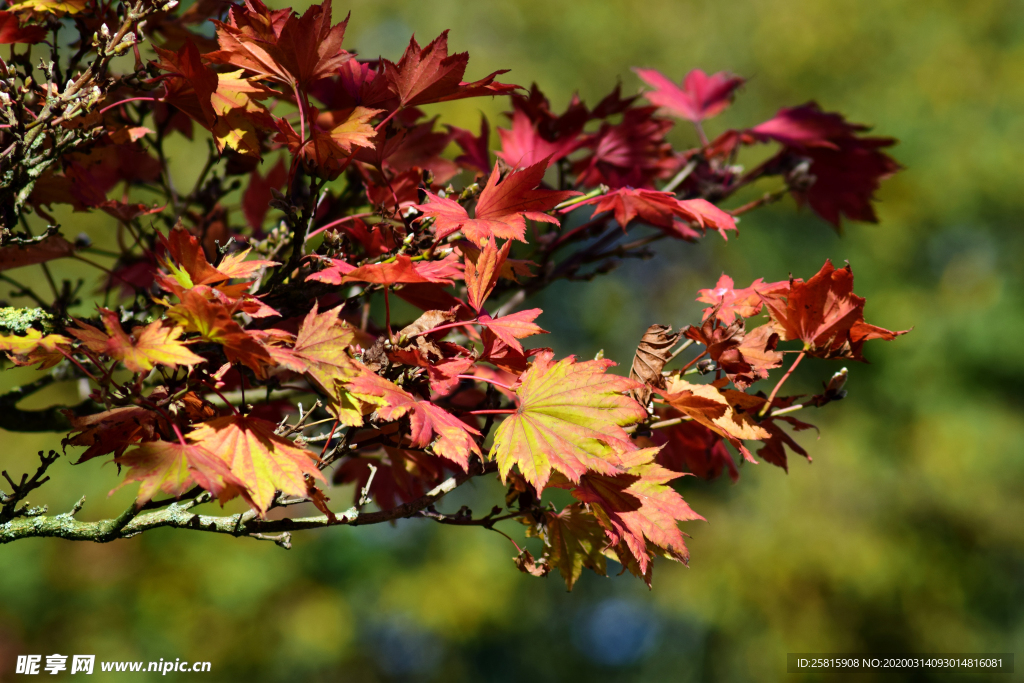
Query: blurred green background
point(906, 533)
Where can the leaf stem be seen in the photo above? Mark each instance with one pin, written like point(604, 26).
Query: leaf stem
point(771, 397)
point(485, 379)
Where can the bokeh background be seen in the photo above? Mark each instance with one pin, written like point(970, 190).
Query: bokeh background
point(905, 534)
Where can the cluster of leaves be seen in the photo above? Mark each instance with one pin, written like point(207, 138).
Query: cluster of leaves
point(218, 320)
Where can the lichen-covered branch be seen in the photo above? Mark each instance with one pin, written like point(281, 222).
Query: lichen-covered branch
point(180, 516)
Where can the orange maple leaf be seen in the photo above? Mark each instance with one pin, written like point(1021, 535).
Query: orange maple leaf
point(174, 468)
point(712, 408)
point(825, 315)
point(483, 272)
point(320, 349)
point(454, 437)
point(154, 344)
point(639, 506)
point(331, 138)
point(213, 321)
point(263, 461)
point(280, 45)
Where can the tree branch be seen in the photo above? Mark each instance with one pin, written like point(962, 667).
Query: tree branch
point(179, 516)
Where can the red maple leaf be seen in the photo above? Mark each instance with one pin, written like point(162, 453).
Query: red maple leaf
point(476, 152)
point(631, 153)
point(513, 327)
point(826, 315)
point(700, 97)
point(400, 271)
point(11, 30)
point(692, 447)
point(111, 431)
point(280, 45)
point(529, 141)
point(416, 147)
point(257, 196)
point(662, 210)
point(39, 250)
point(728, 303)
point(502, 208)
point(846, 168)
point(429, 74)
point(353, 84)
point(745, 358)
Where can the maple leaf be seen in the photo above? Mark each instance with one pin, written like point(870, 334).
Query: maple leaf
point(35, 347)
point(50, 6)
point(745, 303)
point(454, 437)
point(631, 153)
point(280, 45)
point(806, 126)
point(757, 351)
point(154, 344)
point(263, 461)
point(569, 419)
point(573, 540)
point(691, 447)
point(11, 30)
point(524, 145)
point(846, 169)
point(31, 252)
point(638, 506)
point(537, 133)
point(482, 274)
point(415, 148)
point(501, 209)
point(212, 321)
point(110, 431)
point(513, 327)
point(332, 137)
point(174, 468)
point(711, 407)
point(320, 349)
point(223, 103)
point(662, 210)
point(700, 97)
point(774, 449)
point(401, 270)
point(257, 196)
point(476, 152)
point(429, 74)
point(826, 315)
point(744, 357)
point(189, 267)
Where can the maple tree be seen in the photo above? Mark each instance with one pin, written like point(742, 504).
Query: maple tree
point(242, 343)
